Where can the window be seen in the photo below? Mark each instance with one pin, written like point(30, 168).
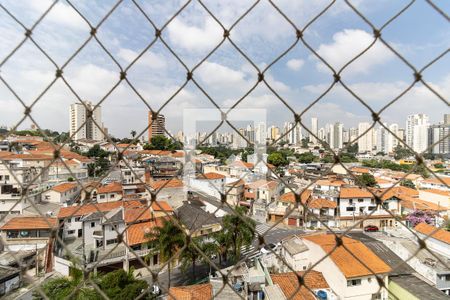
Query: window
point(445, 277)
point(350, 201)
point(6, 177)
point(112, 241)
point(71, 232)
point(372, 208)
point(354, 282)
point(113, 195)
point(360, 200)
point(113, 227)
point(102, 196)
point(92, 224)
point(77, 219)
point(351, 208)
point(69, 220)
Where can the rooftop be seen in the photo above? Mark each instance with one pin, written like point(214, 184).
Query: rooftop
point(289, 284)
point(344, 259)
point(18, 223)
point(191, 292)
point(436, 233)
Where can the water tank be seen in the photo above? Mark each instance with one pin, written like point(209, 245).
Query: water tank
point(322, 295)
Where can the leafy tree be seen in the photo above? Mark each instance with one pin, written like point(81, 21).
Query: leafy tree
point(353, 148)
point(305, 142)
point(133, 133)
point(237, 231)
point(190, 255)
point(439, 166)
point(401, 152)
point(306, 158)
point(408, 183)
point(367, 180)
point(420, 216)
point(70, 179)
point(96, 151)
point(166, 240)
point(160, 142)
point(277, 159)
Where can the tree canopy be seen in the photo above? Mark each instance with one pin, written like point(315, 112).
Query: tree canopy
point(160, 142)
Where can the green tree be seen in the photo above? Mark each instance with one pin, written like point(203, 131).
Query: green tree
point(439, 166)
point(401, 152)
point(160, 142)
point(277, 159)
point(353, 148)
point(239, 230)
point(367, 180)
point(190, 255)
point(408, 183)
point(133, 133)
point(166, 240)
point(306, 158)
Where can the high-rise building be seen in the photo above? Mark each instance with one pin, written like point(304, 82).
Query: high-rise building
point(157, 126)
point(365, 142)
point(438, 137)
point(84, 127)
point(393, 140)
point(417, 132)
point(260, 133)
point(338, 135)
point(329, 134)
point(314, 129)
point(382, 139)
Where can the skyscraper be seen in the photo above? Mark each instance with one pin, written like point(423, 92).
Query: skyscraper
point(338, 135)
point(365, 142)
point(260, 133)
point(314, 130)
point(83, 127)
point(329, 134)
point(438, 137)
point(156, 127)
point(417, 132)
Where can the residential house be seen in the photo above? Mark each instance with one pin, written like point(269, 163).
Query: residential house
point(358, 204)
point(62, 193)
point(315, 286)
point(10, 279)
point(235, 192)
point(287, 209)
point(348, 277)
point(192, 292)
point(196, 221)
point(106, 193)
point(437, 239)
point(27, 233)
point(443, 183)
point(212, 184)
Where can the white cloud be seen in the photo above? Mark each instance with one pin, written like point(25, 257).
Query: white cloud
point(149, 59)
point(61, 14)
point(348, 44)
point(295, 64)
point(195, 38)
point(213, 73)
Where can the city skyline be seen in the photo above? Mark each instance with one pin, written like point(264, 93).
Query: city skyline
point(299, 77)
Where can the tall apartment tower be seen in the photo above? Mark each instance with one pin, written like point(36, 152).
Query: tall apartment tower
point(438, 137)
point(82, 127)
point(156, 127)
point(365, 142)
point(338, 139)
point(314, 129)
point(417, 132)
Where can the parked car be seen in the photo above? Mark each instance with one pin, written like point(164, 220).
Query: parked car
point(271, 246)
point(370, 228)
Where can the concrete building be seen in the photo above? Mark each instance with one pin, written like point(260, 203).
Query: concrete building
point(365, 142)
point(82, 126)
point(314, 129)
point(157, 126)
point(338, 138)
point(438, 137)
point(417, 132)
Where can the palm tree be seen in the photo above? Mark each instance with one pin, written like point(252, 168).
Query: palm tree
point(165, 240)
point(133, 133)
point(190, 254)
point(239, 230)
point(220, 246)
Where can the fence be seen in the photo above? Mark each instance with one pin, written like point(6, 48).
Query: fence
point(158, 35)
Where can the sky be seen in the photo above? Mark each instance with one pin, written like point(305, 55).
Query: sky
point(377, 77)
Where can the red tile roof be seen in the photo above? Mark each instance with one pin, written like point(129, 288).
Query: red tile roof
point(438, 234)
point(345, 261)
point(354, 192)
point(64, 187)
point(322, 203)
point(18, 223)
point(191, 292)
point(289, 284)
point(210, 176)
point(290, 197)
point(172, 183)
point(85, 209)
point(136, 232)
point(113, 187)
